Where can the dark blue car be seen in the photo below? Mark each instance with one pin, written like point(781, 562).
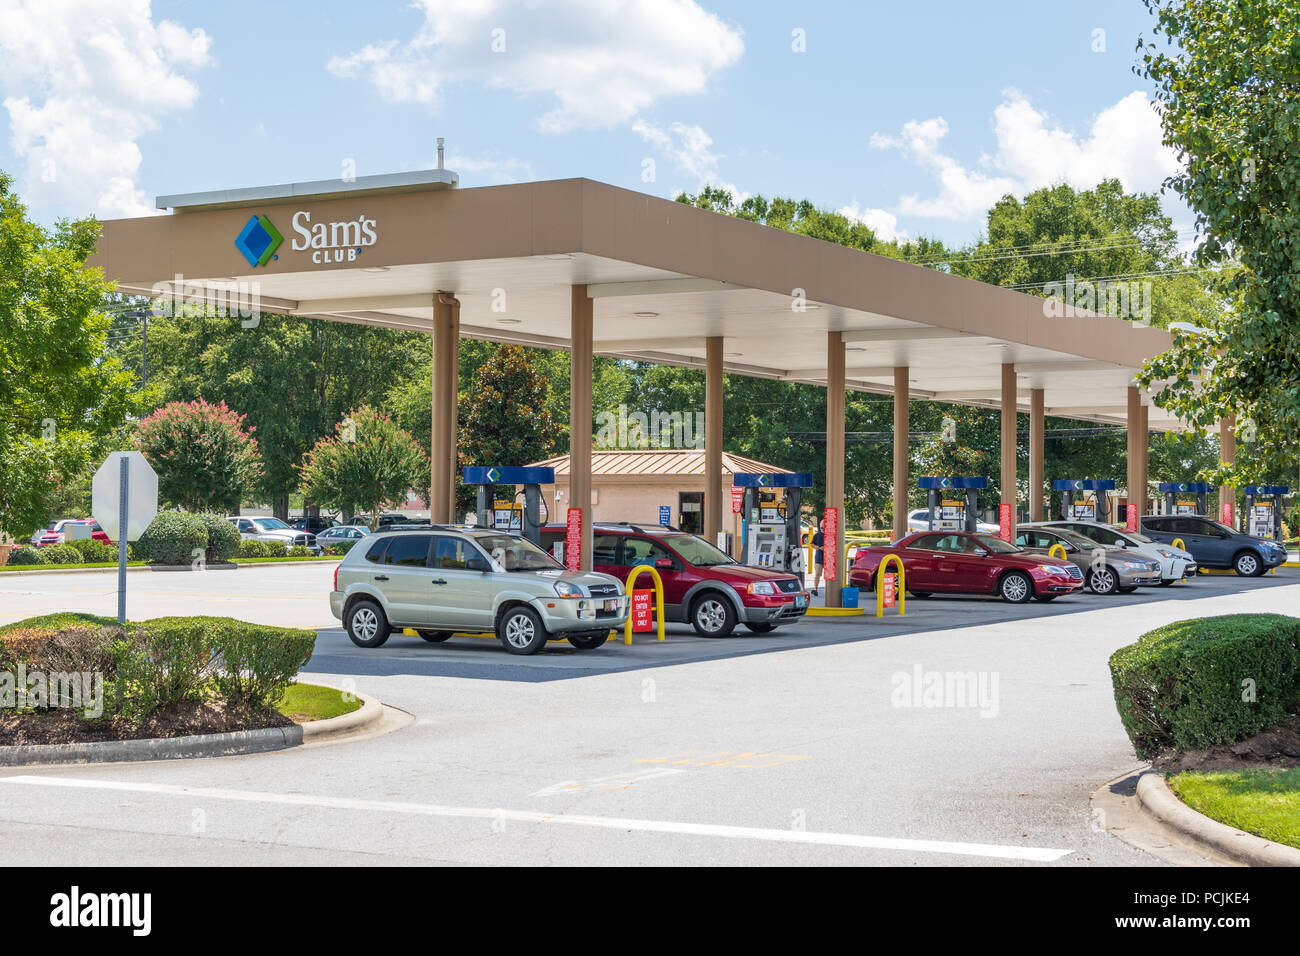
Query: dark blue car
point(1216, 545)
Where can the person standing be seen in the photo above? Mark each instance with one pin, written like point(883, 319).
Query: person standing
point(819, 555)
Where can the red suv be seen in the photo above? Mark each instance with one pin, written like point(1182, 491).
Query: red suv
point(56, 533)
point(702, 585)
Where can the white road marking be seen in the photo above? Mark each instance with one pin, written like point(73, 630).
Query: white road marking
point(858, 841)
point(618, 781)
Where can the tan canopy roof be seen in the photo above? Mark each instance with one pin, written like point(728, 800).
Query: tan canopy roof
point(658, 463)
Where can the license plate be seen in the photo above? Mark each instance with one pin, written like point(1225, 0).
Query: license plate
point(611, 605)
point(800, 600)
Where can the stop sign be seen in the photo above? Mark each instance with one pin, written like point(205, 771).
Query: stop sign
point(141, 495)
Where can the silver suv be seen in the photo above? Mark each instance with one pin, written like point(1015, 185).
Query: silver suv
point(450, 579)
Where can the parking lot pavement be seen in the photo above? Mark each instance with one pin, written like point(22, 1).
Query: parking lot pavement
point(817, 744)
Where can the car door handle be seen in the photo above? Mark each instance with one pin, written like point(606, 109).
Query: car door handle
point(381, 577)
point(439, 580)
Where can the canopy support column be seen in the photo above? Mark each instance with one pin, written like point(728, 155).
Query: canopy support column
point(713, 439)
point(1037, 463)
point(1228, 455)
point(835, 459)
point(901, 437)
point(1008, 482)
point(446, 362)
point(581, 356)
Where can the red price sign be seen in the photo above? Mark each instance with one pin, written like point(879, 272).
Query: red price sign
point(573, 539)
point(832, 546)
point(1131, 518)
point(889, 592)
point(737, 500)
point(641, 603)
point(1226, 514)
point(1004, 522)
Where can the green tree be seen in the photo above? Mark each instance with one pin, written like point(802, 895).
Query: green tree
point(1227, 79)
point(59, 397)
point(205, 457)
point(369, 463)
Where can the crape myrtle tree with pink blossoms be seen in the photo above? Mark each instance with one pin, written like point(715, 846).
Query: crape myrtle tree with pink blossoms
point(368, 464)
point(205, 456)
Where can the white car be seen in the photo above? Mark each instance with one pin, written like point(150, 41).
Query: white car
point(1175, 563)
point(920, 521)
point(272, 529)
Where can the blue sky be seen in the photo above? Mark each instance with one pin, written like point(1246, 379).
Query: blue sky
point(914, 117)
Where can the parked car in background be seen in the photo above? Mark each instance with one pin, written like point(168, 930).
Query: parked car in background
point(339, 533)
point(272, 529)
point(703, 586)
point(1106, 569)
point(1175, 563)
point(1216, 545)
point(58, 533)
point(313, 523)
point(919, 521)
point(447, 579)
point(954, 562)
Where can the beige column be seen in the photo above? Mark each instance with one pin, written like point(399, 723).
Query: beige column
point(1133, 420)
point(1143, 443)
point(1037, 459)
point(1228, 454)
point(712, 438)
point(902, 425)
point(835, 455)
point(446, 346)
point(1009, 442)
point(580, 418)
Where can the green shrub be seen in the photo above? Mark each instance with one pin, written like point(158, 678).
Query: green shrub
point(341, 547)
point(95, 552)
point(276, 549)
point(79, 647)
point(258, 662)
point(1207, 681)
point(252, 548)
point(161, 662)
point(173, 537)
point(300, 551)
point(223, 537)
point(27, 555)
point(62, 554)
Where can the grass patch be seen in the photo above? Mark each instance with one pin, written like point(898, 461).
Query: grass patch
point(320, 557)
point(68, 567)
point(1263, 802)
point(304, 702)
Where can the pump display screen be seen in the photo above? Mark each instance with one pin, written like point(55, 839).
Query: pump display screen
point(950, 516)
point(1261, 521)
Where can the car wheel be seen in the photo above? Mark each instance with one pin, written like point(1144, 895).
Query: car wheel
point(520, 630)
point(1102, 581)
point(434, 637)
point(713, 616)
point(587, 642)
point(761, 627)
point(367, 625)
point(1016, 588)
point(1248, 565)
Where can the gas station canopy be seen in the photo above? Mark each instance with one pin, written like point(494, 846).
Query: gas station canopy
point(663, 278)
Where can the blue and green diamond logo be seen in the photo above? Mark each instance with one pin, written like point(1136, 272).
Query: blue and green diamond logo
point(258, 241)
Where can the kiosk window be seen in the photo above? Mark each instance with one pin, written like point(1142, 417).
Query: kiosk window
point(409, 550)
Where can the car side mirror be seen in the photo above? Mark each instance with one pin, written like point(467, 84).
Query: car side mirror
point(980, 553)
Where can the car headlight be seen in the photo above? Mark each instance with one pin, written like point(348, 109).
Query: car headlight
point(566, 590)
point(1053, 569)
point(1165, 554)
point(762, 587)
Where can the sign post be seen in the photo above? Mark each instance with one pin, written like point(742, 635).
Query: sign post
point(124, 500)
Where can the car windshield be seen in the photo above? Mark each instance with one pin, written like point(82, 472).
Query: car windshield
point(697, 552)
point(1139, 538)
point(996, 545)
point(516, 554)
point(1079, 541)
point(272, 524)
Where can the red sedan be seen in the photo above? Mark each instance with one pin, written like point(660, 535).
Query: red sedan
point(953, 562)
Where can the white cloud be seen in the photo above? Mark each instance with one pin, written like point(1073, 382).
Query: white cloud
point(1124, 142)
point(882, 222)
point(602, 61)
point(690, 149)
point(488, 169)
point(83, 80)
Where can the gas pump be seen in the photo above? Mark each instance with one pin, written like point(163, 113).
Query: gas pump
point(771, 529)
point(504, 514)
point(1085, 507)
point(955, 501)
point(1264, 511)
point(1185, 497)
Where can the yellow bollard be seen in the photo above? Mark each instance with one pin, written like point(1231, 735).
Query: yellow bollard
point(880, 585)
point(1051, 552)
point(659, 600)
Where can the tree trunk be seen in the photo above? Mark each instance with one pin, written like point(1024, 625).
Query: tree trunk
point(280, 506)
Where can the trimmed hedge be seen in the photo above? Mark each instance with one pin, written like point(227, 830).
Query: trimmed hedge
point(61, 554)
point(252, 548)
point(94, 552)
point(27, 555)
point(223, 537)
point(173, 537)
point(151, 664)
point(1207, 681)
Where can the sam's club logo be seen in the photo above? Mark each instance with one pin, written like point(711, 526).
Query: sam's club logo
point(258, 241)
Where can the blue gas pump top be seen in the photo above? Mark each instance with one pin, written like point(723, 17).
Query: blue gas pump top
point(763, 479)
point(967, 482)
point(1191, 487)
point(1083, 484)
point(505, 475)
point(1259, 491)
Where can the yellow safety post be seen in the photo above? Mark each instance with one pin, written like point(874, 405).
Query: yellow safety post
point(1051, 552)
point(880, 585)
point(1178, 543)
point(848, 544)
point(659, 600)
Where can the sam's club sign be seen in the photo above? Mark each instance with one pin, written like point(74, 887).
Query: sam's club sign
point(339, 241)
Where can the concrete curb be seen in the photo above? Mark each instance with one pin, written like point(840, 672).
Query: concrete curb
point(1156, 798)
point(268, 739)
point(148, 567)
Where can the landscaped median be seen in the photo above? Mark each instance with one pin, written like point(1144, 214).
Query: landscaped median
point(1213, 703)
point(76, 687)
